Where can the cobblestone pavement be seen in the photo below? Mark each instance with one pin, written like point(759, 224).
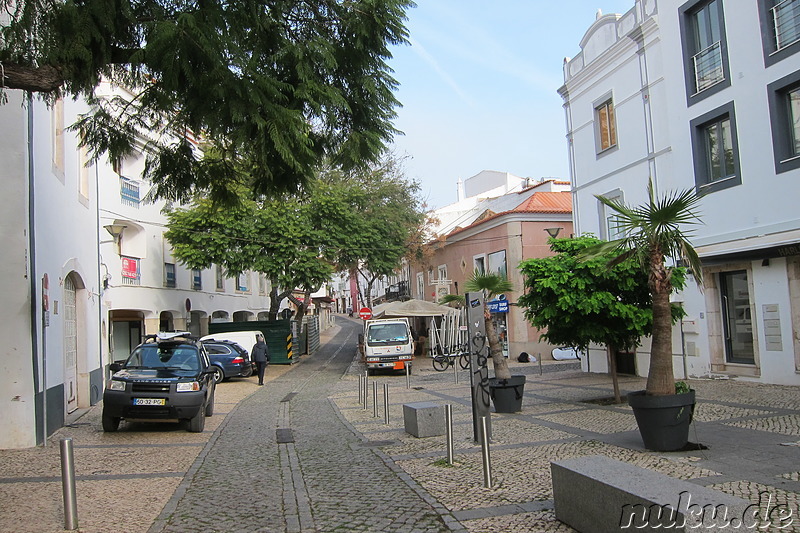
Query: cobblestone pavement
point(302, 454)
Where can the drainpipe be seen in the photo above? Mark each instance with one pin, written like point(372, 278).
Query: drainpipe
point(33, 278)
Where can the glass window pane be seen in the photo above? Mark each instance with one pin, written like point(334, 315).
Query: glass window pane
point(712, 152)
point(794, 120)
point(612, 129)
point(727, 148)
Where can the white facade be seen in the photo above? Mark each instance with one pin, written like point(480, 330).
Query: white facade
point(49, 229)
point(649, 64)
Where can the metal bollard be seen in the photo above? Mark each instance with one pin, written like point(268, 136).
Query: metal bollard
point(374, 400)
point(487, 463)
point(448, 417)
point(455, 369)
point(68, 485)
point(540, 364)
point(366, 389)
point(408, 376)
point(386, 403)
point(360, 389)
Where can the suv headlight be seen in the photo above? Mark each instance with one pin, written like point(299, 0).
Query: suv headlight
point(115, 385)
point(188, 386)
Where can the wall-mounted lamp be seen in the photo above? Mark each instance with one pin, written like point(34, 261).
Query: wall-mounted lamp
point(553, 232)
point(116, 233)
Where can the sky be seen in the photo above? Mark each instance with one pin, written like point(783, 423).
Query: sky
point(478, 86)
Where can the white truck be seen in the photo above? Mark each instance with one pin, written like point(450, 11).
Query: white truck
point(388, 344)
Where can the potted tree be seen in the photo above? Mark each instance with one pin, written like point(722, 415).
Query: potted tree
point(651, 233)
point(505, 390)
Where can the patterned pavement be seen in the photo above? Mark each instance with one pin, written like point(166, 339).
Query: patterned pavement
point(302, 454)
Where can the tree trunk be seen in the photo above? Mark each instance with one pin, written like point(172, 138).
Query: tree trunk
point(660, 378)
point(611, 352)
point(499, 362)
point(44, 79)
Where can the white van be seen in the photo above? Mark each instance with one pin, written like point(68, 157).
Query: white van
point(388, 344)
point(245, 339)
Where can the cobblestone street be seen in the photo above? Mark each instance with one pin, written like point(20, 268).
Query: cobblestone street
point(302, 454)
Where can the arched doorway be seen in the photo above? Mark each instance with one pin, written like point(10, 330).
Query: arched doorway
point(165, 321)
point(70, 343)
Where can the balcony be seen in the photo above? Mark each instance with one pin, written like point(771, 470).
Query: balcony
point(708, 69)
point(129, 192)
point(786, 19)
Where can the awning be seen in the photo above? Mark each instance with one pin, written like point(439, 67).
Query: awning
point(411, 308)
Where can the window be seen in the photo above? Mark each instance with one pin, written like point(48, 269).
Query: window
point(241, 282)
point(262, 285)
point(220, 275)
point(704, 48)
point(497, 263)
point(442, 271)
point(169, 275)
point(128, 192)
point(780, 29)
point(606, 126)
point(197, 279)
point(784, 111)
point(714, 143)
point(609, 219)
point(420, 285)
point(479, 263)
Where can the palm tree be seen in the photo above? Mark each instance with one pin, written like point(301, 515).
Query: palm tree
point(491, 285)
point(652, 232)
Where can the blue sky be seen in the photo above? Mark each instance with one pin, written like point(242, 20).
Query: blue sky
point(478, 86)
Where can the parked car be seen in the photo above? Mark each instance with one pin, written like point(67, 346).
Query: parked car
point(228, 359)
point(167, 377)
point(245, 339)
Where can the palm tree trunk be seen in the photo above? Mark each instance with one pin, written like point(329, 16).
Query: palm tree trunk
point(499, 362)
point(661, 379)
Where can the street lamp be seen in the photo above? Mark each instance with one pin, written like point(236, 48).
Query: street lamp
point(116, 233)
point(553, 232)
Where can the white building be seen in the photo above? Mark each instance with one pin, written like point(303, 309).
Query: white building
point(666, 91)
point(51, 295)
point(147, 290)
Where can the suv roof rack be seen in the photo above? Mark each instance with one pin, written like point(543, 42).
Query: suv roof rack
point(165, 336)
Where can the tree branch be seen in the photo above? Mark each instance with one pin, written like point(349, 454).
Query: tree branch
point(44, 79)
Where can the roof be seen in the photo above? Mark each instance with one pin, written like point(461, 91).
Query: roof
point(547, 202)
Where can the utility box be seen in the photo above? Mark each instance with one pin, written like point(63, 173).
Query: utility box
point(423, 419)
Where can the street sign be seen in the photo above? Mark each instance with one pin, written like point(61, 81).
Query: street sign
point(497, 306)
point(365, 313)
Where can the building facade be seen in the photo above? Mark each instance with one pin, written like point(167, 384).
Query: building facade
point(50, 364)
point(499, 221)
point(664, 92)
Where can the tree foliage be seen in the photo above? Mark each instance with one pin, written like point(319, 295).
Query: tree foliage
point(273, 86)
point(580, 303)
point(299, 241)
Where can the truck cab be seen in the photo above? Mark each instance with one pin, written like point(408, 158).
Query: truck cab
point(388, 344)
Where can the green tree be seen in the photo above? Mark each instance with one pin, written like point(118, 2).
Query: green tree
point(578, 303)
point(272, 86)
point(652, 232)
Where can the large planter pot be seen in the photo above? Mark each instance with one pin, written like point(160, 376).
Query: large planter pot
point(507, 394)
point(663, 420)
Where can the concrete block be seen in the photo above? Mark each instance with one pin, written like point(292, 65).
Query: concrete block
point(598, 494)
point(424, 419)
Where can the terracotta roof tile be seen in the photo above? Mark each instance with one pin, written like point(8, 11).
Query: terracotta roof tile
point(547, 202)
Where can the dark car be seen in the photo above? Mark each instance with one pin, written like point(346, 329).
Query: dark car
point(228, 359)
point(167, 377)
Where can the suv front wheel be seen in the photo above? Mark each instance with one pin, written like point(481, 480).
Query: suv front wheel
point(198, 423)
point(110, 423)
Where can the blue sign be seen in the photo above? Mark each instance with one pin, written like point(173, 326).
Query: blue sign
point(498, 306)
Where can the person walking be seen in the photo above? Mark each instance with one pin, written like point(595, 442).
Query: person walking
point(260, 353)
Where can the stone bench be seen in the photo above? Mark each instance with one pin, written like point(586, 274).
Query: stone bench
point(423, 419)
point(598, 494)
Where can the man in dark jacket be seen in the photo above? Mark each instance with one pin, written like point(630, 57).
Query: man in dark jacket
point(260, 355)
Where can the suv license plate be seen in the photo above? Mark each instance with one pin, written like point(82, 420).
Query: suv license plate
point(149, 401)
